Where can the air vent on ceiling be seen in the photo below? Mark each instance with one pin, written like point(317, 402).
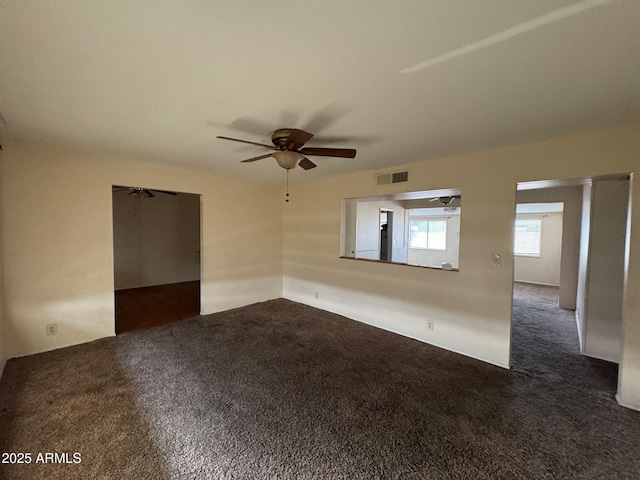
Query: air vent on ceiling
point(397, 177)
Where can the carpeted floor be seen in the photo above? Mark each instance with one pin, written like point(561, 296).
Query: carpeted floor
point(283, 390)
point(545, 343)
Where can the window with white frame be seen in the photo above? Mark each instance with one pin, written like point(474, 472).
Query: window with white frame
point(428, 233)
point(527, 237)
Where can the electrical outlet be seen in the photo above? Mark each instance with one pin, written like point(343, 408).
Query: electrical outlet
point(52, 329)
point(430, 325)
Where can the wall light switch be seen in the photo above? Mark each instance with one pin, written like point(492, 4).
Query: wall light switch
point(496, 260)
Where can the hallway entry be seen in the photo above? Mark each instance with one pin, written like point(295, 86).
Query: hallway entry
point(156, 240)
point(545, 343)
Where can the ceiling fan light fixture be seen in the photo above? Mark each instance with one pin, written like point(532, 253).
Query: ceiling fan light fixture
point(286, 159)
point(288, 151)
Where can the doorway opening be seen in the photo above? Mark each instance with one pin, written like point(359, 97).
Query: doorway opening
point(386, 235)
point(569, 260)
point(156, 240)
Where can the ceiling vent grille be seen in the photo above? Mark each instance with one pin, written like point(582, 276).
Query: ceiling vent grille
point(387, 178)
point(400, 177)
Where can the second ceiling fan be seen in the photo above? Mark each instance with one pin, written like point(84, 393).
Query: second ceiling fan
point(447, 200)
point(139, 192)
point(288, 149)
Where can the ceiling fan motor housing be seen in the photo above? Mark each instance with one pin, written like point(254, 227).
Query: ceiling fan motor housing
point(280, 136)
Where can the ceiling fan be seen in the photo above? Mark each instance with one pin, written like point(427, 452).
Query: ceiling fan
point(446, 201)
point(139, 192)
point(288, 151)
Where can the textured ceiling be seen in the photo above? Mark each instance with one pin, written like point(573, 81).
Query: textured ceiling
point(403, 81)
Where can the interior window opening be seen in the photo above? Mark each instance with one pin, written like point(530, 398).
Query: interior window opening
point(412, 228)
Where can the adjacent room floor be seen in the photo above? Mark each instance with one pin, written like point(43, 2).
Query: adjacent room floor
point(152, 306)
point(545, 342)
point(283, 390)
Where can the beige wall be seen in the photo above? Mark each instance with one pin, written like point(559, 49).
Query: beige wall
point(472, 307)
point(605, 275)
point(156, 240)
point(571, 197)
point(3, 332)
point(58, 241)
point(545, 269)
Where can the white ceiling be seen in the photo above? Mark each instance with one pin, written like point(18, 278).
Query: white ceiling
point(407, 81)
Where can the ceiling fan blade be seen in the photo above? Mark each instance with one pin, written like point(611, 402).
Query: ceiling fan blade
point(329, 152)
point(329, 115)
point(118, 189)
point(147, 193)
point(297, 138)
point(165, 192)
point(436, 199)
point(307, 164)
point(256, 158)
point(360, 139)
point(270, 147)
point(250, 125)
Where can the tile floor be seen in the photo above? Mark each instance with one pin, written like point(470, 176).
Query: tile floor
point(151, 306)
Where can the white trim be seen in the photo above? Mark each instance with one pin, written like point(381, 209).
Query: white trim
point(58, 347)
point(624, 404)
point(580, 342)
point(537, 283)
point(600, 358)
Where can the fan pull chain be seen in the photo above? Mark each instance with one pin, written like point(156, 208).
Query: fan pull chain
point(287, 194)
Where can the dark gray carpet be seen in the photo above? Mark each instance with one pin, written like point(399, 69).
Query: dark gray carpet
point(546, 345)
point(282, 390)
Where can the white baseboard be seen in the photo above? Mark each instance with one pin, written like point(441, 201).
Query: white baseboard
point(58, 347)
point(475, 357)
point(578, 327)
point(538, 283)
point(627, 405)
point(600, 358)
point(152, 284)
